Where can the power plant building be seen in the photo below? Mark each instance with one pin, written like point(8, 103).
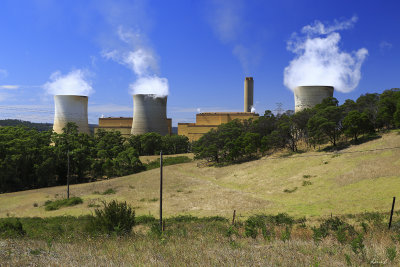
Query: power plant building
point(210, 120)
point(149, 114)
point(309, 96)
point(71, 108)
point(122, 125)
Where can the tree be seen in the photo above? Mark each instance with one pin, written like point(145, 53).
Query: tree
point(127, 162)
point(356, 123)
point(387, 107)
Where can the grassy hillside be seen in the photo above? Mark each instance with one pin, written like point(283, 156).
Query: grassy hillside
point(316, 183)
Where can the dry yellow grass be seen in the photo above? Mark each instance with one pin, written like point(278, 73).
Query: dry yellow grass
point(344, 183)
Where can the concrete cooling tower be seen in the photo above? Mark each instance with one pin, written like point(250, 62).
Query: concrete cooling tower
point(248, 93)
point(309, 96)
point(71, 108)
point(149, 114)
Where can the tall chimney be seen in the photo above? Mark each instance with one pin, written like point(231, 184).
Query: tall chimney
point(248, 93)
point(71, 108)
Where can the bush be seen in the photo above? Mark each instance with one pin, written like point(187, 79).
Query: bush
point(55, 205)
point(11, 227)
point(116, 217)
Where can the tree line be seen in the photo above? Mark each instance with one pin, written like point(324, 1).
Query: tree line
point(32, 159)
point(326, 122)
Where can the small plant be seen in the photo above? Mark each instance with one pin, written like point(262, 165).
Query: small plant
point(142, 200)
point(11, 227)
point(55, 205)
point(179, 190)
point(286, 234)
point(357, 244)
point(348, 259)
point(153, 199)
point(131, 187)
point(35, 205)
point(306, 176)
point(391, 253)
point(305, 183)
point(116, 217)
point(109, 191)
point(290, 190)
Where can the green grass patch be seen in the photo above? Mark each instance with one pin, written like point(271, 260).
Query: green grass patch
point(290, 190)
point(167, 161)
point(57, 204)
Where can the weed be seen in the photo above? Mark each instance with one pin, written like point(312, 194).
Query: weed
point(305, 183)
point(348, 259)
point(179, 190)
point(36, 252)
point(153, 199)
point(391, 253)
point(286, 234)
point(142, 200)
point(55, 205)
point(145, 219)
point(109, 191)
point(290, 190)
point(35, 205)
point(357, 244)
point(131, 187)
point(11, 227)
point(364, 227)
point(116, 217)
point(306, 176)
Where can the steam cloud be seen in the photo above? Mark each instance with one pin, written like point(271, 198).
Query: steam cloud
point(319, 61)
point(227, 19)
point(142, 61)
point(73, 83)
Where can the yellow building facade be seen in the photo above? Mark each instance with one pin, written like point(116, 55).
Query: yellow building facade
point(122, 124)
point(210, 120)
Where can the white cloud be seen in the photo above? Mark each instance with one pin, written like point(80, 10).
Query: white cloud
point(385, 46)
point(141, 59)
point(9, 87)
point(319, 28)
point(73, 83)
point(3, 73)
point(319, 60)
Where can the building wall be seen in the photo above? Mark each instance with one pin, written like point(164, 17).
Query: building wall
point(207, 121)
point(123, 125)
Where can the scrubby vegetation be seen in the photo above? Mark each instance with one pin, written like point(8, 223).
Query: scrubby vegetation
point(33, 159)
point(325, 123)
point(56, 204)
point(115, 236)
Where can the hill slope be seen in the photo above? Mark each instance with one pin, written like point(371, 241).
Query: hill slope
point(360, 178)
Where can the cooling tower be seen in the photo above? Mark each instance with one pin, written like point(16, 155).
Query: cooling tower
point(309, 96)
point(149, 114)
point(248, 93)
point(71, 108)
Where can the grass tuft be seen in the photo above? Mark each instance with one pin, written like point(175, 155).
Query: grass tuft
point(57, 204)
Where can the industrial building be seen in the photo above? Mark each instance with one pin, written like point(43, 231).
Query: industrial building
point(309, 96)
point(71, 108)
point(211, 120)
point(123, 125)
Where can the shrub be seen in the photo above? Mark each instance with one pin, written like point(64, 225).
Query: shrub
point(11, 227)
point(305, 183)
point(109, 191)
point(290, 190)
point(391, 253)
point(55, 205)
point(116, 217)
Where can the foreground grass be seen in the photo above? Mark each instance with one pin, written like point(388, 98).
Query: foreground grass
point(211, 241)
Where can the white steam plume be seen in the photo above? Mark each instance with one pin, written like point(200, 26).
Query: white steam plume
point(319, 61)
point(142, 61)
point(73, 83)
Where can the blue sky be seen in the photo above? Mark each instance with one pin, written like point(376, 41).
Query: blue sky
point(203, 49)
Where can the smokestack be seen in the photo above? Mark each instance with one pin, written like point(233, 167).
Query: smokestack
point(149, 114)
point(309, 96)
point(71, 108)
point(248, 93)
